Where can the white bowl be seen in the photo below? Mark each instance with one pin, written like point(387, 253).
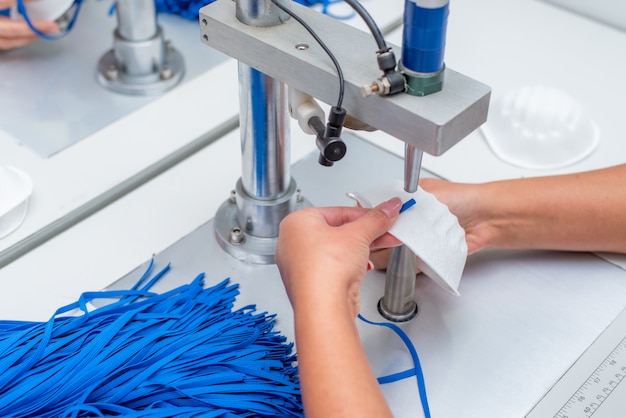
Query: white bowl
point(540, 127)
point(15, 190)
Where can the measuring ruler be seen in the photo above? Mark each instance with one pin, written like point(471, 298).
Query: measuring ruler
point(594, 385)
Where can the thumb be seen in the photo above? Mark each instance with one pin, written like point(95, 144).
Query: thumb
point(378, 220)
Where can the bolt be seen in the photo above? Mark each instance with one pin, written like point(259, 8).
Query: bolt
point(236, 235)
point(112, 73)
point(166, 72)
point(233, 197)
point(299, 197)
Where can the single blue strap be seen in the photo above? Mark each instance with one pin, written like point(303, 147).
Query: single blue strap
point(417, 369)
point(22, 10)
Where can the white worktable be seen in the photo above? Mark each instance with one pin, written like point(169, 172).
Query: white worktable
point(115, 240)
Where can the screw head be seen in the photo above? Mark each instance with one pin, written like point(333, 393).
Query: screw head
point(112, 73)
point(236, 235)
point(166, 73)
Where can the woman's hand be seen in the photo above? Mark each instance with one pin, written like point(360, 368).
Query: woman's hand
point(466, 203)
point(16, 33)
point(324, 252)
point(322, 255)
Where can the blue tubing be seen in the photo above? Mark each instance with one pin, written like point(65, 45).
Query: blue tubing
point(424, 37)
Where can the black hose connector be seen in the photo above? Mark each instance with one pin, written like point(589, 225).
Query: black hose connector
point(386, 61)
point(392, 79)
point(328, 138)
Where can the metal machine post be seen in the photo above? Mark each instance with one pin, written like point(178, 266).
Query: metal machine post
point(247, 224)
point(423, 44)
point(283, 52)
point(141, 61)
point(398, 303)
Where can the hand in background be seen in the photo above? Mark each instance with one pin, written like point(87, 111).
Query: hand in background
point(570, 212)
point(16, 33)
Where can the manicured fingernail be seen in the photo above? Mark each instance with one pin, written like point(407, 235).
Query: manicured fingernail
point(370, 265)
point(391, 207)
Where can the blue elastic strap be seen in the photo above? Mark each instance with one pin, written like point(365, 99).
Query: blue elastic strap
point(415, 371)
point(22, 10)
point(189, 9)
point(326, 7)
point(5, 12)
point(184, 352)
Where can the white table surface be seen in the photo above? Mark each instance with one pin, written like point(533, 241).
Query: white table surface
point(115, 240)
point(120, 156)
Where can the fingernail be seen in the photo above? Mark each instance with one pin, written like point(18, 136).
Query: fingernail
point(370, 265)
point(391, 207)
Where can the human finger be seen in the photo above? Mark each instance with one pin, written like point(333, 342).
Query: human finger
point(340, 215)
point(12, 43)
point(380, 257)
point(377, 221)
point(385, 241)
point(13, 29)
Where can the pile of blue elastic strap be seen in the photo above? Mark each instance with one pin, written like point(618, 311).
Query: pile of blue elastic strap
point(189, 8)
point(184, 352)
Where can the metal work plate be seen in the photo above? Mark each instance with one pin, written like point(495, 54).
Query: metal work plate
point(50, 97)
point(523, 318)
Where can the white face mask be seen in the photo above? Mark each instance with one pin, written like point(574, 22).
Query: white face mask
point(15, 190)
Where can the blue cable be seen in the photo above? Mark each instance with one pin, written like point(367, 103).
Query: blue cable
point(22, 10)
point(415, 371)
point(189, 9)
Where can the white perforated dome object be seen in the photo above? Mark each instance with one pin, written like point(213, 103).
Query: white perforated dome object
point(15, 190)
point(540, 127)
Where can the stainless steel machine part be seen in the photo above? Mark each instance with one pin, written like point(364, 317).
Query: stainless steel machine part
point(266, 193)
point(264, 127)
point(398, 302)
point(287, 53)
point(136, 20)
point(141, 61)
point(261, 13)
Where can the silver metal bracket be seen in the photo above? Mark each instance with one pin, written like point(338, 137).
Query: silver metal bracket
point(234, 234)
point(287, 52)
point(141, 62)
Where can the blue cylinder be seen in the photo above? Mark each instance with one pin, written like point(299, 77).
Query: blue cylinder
point(424, 36)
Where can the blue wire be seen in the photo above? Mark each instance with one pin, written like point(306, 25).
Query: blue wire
point(22, 10)
point(417, 368)
point(189, 9)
